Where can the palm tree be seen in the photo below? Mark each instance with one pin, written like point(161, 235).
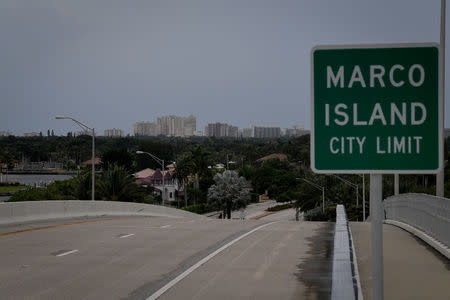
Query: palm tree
point(117, 185)
point(83, 186)
point(183, 168)
point(200, 159)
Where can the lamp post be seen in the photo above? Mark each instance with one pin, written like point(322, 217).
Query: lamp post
point(318, 187)
point(85, 127)
point(364, 196)
point(357, 192)
point(351, 184)
point(161, 162)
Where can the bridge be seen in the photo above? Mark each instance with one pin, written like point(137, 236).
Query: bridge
point(100, 249)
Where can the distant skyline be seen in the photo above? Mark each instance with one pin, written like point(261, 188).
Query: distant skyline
point(112, 63)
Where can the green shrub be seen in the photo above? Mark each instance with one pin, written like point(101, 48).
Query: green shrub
point(177, 203)
point(254, 197)
point(280, 207)
point(9, 183)
point(284, 197)
point(36, 194)
point(197, 209)
point(316, 214)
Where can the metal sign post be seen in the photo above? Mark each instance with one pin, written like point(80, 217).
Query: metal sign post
point(440, 176)
point(376, 214)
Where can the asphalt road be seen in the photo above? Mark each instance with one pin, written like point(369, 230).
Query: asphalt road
point(134, 257)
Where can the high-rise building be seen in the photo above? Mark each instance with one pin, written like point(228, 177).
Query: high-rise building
point(246, 133)
point(31, 134)
point(113, 132)
point(145, 129)
point(189, 125)
point(221, 130)
point(296, 131)
point(5, 133)
point(167, 125)
point(266, 132)
point(171, 125)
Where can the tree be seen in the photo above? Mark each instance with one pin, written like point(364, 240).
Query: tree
point(230, 191)
point(183, 168)
point(200, 163)
point(117, 185)
point(119, 157)
point(83, 184)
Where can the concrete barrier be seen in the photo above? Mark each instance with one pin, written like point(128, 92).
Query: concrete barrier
point(15, 212)
point(345, 280)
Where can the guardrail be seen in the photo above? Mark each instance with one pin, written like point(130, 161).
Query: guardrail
point(14, 212)
point(429, 214)
point(343, 286)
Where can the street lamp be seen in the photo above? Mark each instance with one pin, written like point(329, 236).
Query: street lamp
point(364, 195)
point(161, 162)
point(320, 188)
point(349, 183)
point(84, 127)
point(357, 192)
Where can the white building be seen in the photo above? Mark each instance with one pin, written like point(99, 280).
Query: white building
point(167, 125)
point(113, 132)
point(189, 125)
point(31, 134)
point(296, 131)
point(266, 132)
point(221, 130)
point(145, 129)
point(5, 133)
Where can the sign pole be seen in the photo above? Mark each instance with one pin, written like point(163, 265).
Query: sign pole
point(440, 175)
point(376, 214)
point(396, 184)
point(364, 197)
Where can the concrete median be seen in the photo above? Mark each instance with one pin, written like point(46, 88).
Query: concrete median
point(15, 212)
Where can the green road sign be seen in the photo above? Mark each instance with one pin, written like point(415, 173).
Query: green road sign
point(375, 109)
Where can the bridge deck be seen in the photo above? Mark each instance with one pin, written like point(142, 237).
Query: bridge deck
point(412, 269)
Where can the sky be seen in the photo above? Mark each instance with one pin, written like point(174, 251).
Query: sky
point(111, 63)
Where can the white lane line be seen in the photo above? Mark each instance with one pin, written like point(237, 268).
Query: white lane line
point(125, 236)
point(67, 253)
point(165, 226)
point(174, 281)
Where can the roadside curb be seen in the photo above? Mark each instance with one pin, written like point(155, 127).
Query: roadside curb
point(262, 215)
point(440, 247)
point(355, 266)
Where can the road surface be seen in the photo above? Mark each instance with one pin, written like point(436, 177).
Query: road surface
point(412, 269)
point(134, 257)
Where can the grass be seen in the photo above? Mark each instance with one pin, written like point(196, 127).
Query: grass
point(9, 189)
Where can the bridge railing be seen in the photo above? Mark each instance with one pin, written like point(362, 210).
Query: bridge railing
point(427, 213)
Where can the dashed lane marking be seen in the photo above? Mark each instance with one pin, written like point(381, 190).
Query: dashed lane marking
point(67, 252)
point(122, 236)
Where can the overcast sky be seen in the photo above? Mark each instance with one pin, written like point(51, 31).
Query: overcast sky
point(112, 63)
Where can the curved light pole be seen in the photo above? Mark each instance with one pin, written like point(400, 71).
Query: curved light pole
point(85, 127)
point(351, 184)
point(357, 192)
point(364, 195)
point(318, 187)
point(161, 162)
